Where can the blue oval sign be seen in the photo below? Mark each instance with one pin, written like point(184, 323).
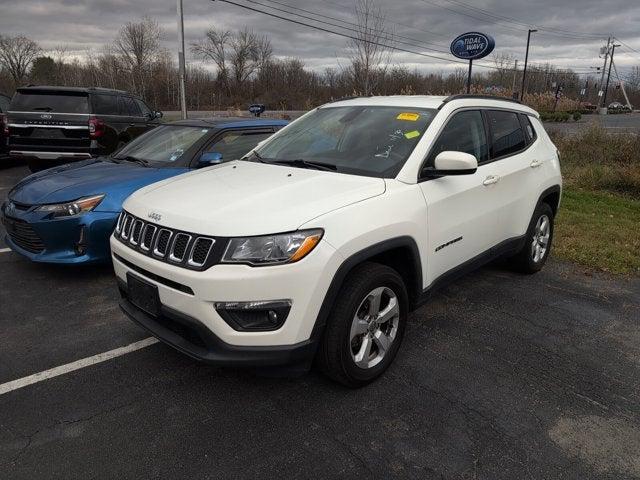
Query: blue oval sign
point(472, 45)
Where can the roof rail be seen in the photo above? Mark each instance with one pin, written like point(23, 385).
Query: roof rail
point(480, 97)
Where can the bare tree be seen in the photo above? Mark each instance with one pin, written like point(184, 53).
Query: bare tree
point(16, 56)
point(214, 47)
point(138, 44)
point(370, 48)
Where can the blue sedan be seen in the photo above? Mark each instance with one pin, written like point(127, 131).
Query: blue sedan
point(66, 214)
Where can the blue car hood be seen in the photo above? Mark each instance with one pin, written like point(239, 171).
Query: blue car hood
point(90, 177)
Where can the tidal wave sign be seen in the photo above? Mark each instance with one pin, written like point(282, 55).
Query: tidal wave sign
point(472, 45)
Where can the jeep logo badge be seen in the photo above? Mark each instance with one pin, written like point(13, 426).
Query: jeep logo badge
point(155, 216)
point(46, 116)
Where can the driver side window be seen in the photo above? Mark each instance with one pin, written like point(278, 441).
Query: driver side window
point(463, 133)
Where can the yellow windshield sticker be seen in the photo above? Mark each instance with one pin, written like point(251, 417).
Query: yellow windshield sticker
point(412, 134)
point(409, 116)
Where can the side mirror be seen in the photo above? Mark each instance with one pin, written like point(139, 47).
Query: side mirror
point(451, 163)
point(158, 114)
point(209, 158)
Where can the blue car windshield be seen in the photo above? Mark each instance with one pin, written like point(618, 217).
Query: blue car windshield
point(368, 140)
point(164, 145)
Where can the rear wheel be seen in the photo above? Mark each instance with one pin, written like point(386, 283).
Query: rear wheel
point(537, 245)
point(365, 329)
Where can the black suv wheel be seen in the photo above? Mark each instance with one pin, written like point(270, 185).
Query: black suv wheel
point(538, 239)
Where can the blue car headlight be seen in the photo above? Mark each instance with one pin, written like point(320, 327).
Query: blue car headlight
point(70, 209)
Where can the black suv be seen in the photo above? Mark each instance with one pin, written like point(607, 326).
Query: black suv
point(4, 129)
point(48, 125)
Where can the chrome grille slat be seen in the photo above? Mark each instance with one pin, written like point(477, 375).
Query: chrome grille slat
point(198, 243)
point(179, 247)
point(148, 236)
point(126, 227)
point(136, 231)
point(161, 250)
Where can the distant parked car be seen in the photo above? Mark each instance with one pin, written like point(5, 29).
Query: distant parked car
point(66, 214)
point(618, 107)
point(48, 125)
point(4, 106)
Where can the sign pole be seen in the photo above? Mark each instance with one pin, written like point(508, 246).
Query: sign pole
point(469, 77)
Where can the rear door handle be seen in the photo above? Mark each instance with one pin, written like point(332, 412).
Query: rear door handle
point(535, 163)
point(491, 179)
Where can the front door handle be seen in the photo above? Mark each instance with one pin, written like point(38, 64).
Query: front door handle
point(490, 180)
point(535, 163)
point(132, 124)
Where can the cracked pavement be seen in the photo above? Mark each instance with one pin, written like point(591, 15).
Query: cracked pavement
point(500, 376)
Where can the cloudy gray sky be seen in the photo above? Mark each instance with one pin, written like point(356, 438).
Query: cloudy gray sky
point(90, 24)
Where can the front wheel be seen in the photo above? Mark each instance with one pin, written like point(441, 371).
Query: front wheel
point(538, 239)
point(365, 329)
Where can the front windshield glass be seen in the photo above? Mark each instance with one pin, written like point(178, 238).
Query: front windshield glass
point(363, 140)
point(164, 145)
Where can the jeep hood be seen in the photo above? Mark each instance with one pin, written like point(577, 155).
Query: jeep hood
point(247, 198)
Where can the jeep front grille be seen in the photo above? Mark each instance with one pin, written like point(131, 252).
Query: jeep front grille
point(180, 248)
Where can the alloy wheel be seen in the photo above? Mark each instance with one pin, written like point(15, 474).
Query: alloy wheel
point(374, 327)
point(540, 241)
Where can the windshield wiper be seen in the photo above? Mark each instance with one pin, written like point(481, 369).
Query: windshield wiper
point(299, 162)
point(258, 157)
point(131, 158)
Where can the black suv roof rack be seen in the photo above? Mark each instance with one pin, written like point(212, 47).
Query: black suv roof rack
point(481, 97)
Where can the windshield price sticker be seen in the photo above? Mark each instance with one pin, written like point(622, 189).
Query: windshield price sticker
point(408, 116)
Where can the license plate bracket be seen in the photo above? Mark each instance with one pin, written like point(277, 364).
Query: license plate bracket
point(143, 295)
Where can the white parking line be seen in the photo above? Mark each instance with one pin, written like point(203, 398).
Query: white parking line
point(70, 367)
point(4, 250)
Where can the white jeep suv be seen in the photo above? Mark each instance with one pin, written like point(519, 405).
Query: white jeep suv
point(317, 244)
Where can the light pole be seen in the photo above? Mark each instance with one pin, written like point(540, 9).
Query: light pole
point(606, 89)
point(526, 59)
point(181, 66)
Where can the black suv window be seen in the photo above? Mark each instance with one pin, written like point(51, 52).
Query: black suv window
point(463, 133)
point(105, 104)
point(49, 101)
point(507, 136)
point(146, 112)
point(129, 108)
point(234, 144)
point(4, 103)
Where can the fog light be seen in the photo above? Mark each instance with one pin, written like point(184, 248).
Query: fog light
point(254, 316)
point(81, 246)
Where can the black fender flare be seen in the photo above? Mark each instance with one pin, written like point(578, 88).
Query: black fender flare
point(357, 258)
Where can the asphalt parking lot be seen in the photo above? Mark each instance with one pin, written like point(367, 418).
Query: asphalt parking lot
point(501, 376)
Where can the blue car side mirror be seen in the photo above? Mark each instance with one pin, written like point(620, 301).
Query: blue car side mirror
point(210, 158)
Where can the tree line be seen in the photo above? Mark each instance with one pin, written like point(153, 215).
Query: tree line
point(240, 67)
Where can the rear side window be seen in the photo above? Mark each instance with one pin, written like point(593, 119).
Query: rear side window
point(4, 104)
point(528, 128)
point(105, 105)
point(35, 101)
point(463, 133)
point(507, 136)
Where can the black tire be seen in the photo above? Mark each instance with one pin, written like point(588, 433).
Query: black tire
point(525, 260)
point(334, 356)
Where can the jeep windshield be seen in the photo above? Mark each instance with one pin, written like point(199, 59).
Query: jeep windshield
point(362, 140)
point(50, 102)
point(165, 145)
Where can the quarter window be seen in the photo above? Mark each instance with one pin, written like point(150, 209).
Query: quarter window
point(105, 104)
point(507, 136)
point(463, 133)
point(528, 128)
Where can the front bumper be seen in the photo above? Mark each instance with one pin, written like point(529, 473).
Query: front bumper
point(188, 297)
point(72, 240)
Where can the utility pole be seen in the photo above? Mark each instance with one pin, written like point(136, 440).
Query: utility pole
point(606, 89)
point(181, 66)
point(604, 69)
point(624, 92)
point(513, 84)
point(526, 59)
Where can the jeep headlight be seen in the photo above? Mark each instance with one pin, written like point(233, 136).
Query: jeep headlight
point(272, 249)
point(69, 209)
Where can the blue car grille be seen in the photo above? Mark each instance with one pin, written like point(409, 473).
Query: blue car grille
point(23, 235)
point(179, 248)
